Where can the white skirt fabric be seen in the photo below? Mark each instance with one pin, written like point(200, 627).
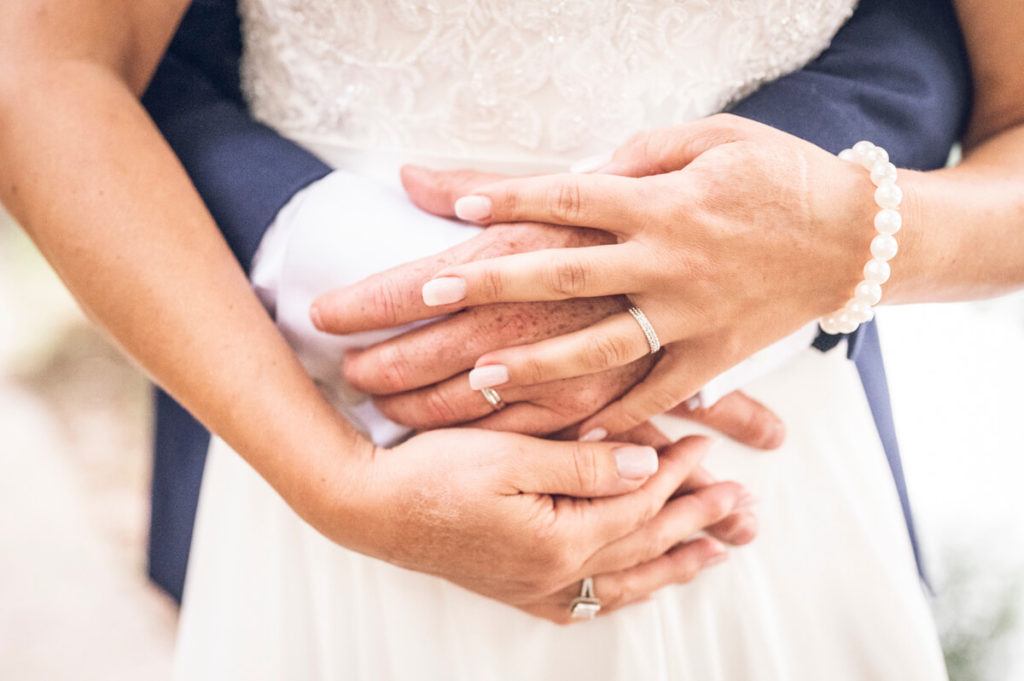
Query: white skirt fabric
point(829, 589)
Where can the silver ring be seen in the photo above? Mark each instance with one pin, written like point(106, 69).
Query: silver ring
point(586, 605)
point(647, 328)
point(493, 398)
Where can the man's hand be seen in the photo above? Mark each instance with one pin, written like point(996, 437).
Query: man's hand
point(522, 520)
point(419, 379)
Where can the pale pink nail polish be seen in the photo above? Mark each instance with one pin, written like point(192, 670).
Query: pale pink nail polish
point(473, 208)
point(746, 501)
point(717, 559)
point(634, 462)
point(489, 376)
point(591, 163)
point(594, 435)
point(314, 315)
point(444, 291)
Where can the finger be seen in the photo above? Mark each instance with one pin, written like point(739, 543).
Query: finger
point(436, 191)
point(604, 202)
point(579, 470)
point(667, 149)
point(680, 565)
point(665, 387)
point(551, 274)
point(677, 522)
point(595, 524)
point(737, 529)
point(453, 402)
point(741, 418)
point(526, 418)
point(382, 301)
point(626, 587)
point(612, 342)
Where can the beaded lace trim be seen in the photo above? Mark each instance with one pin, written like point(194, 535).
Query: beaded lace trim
point(515, 78)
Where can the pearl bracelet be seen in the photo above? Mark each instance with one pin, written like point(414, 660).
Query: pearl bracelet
point(883, 247)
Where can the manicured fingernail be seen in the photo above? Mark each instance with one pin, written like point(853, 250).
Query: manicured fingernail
point(594, 434)
point(776, 436)
point(591, 163)
point(747, 500)
point(635, 462)
point(314, 315)
point(694, 402)
point(489, 376)
point(473, 208)
point(444, 291)
point(716, 559)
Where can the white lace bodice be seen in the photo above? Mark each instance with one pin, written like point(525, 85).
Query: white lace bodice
point(514, 80)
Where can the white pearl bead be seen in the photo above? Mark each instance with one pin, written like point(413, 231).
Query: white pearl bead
point(882, 173)
point(828, 325)
point(859, 312)
point(884, 247)
point(845, 323)
point(863, 148)
point(888, 195)
point(847, 155)
point(880, 154)
point(867, 292)
point(888, 221)
point(877, 271)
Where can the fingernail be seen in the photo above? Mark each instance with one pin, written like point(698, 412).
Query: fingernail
point(747, 500)
point(591, 163)
point(635, 462)
point(594, 434)
point(694, 402)
point(777, 435)
point(716, 559)
point(488, 377)
point(473, 208)
point(444, 291)
point(314, 315)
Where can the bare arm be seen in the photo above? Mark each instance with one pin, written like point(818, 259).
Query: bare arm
point(965, 236)
point(89, 177)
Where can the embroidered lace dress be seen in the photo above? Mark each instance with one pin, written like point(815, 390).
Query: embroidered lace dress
point(829, 589)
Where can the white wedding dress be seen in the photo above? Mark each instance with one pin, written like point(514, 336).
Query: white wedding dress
point(829, 589)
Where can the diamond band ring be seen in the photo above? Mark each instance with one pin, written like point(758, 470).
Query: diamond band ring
point(586, 605)
point(647, 328)
point(493, 398)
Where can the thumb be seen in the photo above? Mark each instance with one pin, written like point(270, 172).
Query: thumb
point(436, 191)
point(583, 469)
point(665, 150)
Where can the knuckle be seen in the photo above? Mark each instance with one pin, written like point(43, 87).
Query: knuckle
point(605, 352)
point(439, 408)
point(394, 368)
point(384, 305)
point(531, 371)
point(658, 399)
point(568, 279)
point(566, 202)
point(490, 284)
point(585, 467)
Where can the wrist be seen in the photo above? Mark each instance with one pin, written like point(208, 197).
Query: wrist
point(887, 220)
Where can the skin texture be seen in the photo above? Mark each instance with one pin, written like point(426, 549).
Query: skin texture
point(420, 378)
point(732, 235)
point(90, 179)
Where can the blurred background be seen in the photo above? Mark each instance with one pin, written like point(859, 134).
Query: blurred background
point(74, 451)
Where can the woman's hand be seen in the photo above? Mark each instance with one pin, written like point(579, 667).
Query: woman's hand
point(731, 236)
point(522, 520)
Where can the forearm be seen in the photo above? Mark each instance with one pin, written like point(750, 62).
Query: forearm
point(90, 178)
point(964, 227)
